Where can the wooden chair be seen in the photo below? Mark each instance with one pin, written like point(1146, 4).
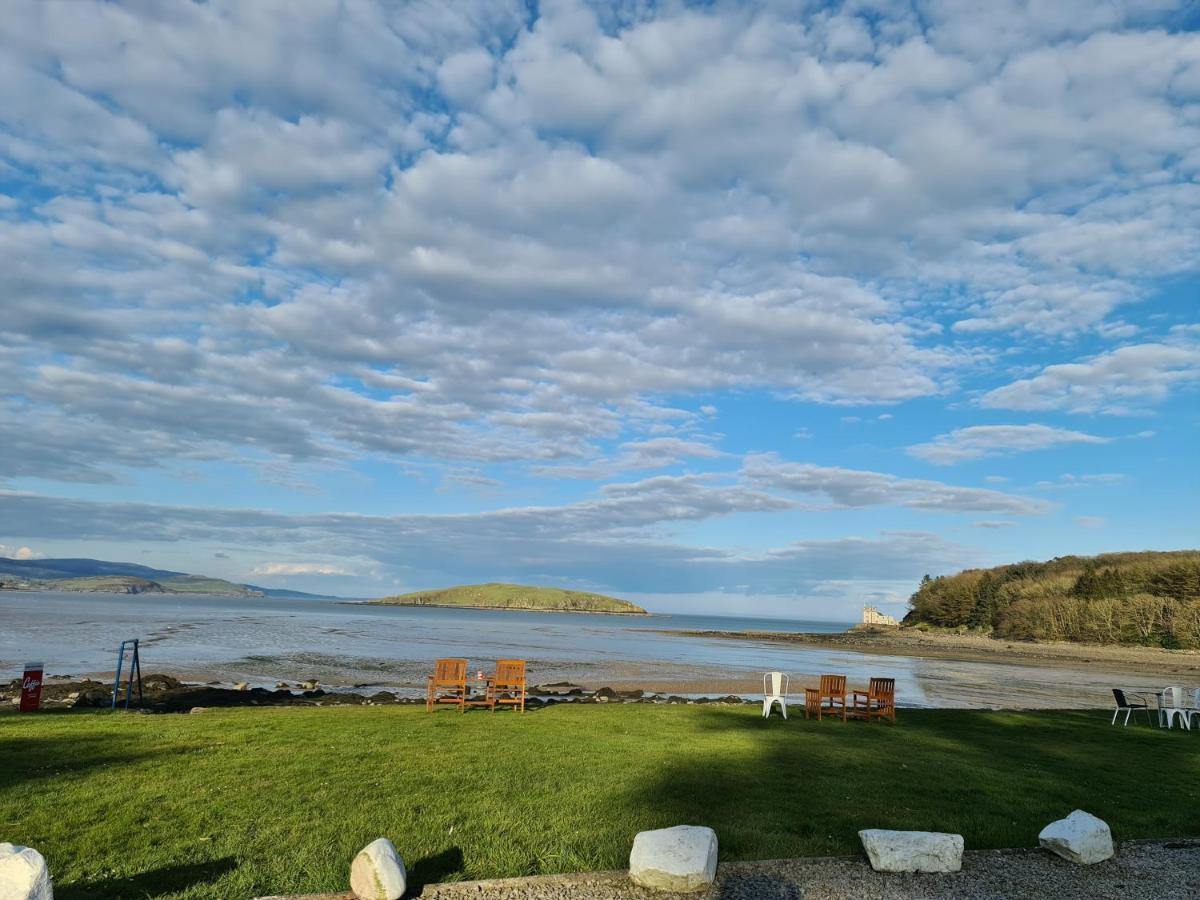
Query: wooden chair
point(829, 697)
point(507, 686)
point(877, 701)
point(447, 684)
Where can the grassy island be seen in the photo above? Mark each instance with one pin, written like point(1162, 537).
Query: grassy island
point(517, 596)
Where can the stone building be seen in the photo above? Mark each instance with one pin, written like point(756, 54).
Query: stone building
point(872, 616)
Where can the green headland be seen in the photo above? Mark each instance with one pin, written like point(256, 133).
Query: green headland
point(103, 576)
point(1149, 599)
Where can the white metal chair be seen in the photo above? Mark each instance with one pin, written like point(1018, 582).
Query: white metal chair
point(1170, 708)
point(775, 690)
point(1193, 711)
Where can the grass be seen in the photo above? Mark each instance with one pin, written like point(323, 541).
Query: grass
point(102, 583)
point(244, 802)
point(516, 596)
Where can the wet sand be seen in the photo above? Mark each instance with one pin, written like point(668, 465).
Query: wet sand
point(979, 648)
point(951, 670)
point(929, 672)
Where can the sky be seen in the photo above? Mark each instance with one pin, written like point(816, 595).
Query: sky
point(735, 308)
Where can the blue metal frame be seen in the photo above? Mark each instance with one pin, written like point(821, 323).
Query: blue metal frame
point(135, 665)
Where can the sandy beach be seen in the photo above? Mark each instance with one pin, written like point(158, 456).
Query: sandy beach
point(979, 648)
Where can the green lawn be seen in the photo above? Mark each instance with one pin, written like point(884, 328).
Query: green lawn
point(235, 803)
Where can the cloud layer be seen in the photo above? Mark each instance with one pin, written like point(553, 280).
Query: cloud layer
point(572, 544)
point(490, 237)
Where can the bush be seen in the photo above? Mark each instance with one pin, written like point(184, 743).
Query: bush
point(1152, 599)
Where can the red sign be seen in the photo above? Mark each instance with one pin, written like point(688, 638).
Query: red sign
point(31, 687)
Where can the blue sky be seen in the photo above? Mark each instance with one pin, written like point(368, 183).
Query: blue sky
point(752, 308)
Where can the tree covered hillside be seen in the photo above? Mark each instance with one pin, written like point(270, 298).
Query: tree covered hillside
point(1118, 598)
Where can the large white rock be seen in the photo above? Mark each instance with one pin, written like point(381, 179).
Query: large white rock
point(23, 874)
point(377, 873)
point(912, 851)
point(683, 858)
point(1080, 837)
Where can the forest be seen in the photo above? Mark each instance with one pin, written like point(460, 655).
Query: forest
point(1146, 598)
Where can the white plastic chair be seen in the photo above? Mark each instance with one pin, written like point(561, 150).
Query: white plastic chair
point(1171, 707)
point(775, 689)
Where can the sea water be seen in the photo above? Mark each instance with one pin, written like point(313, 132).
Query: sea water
point(345, 645)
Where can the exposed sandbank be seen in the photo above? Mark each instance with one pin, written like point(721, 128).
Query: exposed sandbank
point(910, 642)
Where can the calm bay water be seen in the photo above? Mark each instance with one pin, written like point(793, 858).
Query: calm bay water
point(78, 633)
point(262, 640)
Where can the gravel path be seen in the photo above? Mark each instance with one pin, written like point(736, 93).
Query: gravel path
point(1156, 870)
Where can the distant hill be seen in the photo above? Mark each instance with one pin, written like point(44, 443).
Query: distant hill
point(516, 596)
point(127, 578)
point(1146, 598)
point(109, 584)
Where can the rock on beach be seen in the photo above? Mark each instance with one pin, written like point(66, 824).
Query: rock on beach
point(1080, 837)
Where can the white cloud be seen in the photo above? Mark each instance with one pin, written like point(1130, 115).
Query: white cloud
point(851, 488)
point(281, 568)
point(995, 523)
point(615, 541)
point(1090, 521)
point(1069, 481)
point(20, 552)
point(634, 456)
point(978, 441)
point(1120, 382)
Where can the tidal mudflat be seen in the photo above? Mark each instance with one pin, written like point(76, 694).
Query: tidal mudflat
point(262, 641)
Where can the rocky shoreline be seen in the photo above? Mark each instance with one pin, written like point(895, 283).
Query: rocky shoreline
point(166, 694)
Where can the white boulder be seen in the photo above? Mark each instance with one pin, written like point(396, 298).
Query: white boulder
point(683, 858)
point(1080, 837)
point(23, 874)
point(377, 873)
point(912, 851)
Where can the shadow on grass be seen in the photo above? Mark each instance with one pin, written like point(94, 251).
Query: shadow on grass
point(165, 880)
point(773, 788)
point(435, 868)
point(25, 759)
